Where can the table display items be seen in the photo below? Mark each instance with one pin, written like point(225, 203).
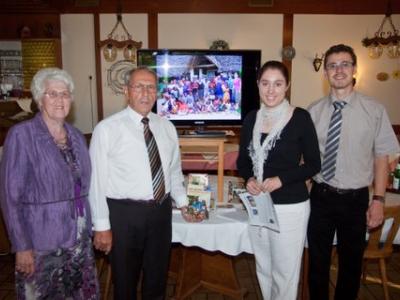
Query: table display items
point(234, 189)
point(396, 177)
point(199, 195)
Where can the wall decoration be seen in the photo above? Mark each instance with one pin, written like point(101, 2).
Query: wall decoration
point(382, 76)
point(110, 52)
point(114, 42)
point(37, 54)
point(384, 39)
point(116, 75)
point(130, 53)
point(288, 52)
point(219, 45)
point(25, 32)
point(317, 62)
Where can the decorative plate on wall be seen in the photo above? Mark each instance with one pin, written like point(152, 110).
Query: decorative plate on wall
point(288, 52)
point(382, 76)
point(219, 45)
point(116, 75)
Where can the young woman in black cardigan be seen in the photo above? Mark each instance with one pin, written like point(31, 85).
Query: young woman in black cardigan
point(278, 153)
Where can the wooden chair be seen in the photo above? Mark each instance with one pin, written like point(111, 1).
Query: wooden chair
point(103, 265)
point(381, 250)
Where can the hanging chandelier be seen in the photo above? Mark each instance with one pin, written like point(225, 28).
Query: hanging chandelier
point(111, 45)
point(384, 39)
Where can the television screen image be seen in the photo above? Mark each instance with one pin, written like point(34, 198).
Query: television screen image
point(200, 87)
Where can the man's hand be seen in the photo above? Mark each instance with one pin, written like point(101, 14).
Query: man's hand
point(271, 184)
point(375, 214)
point(189, 217)
point(103, 241)
point(24, 262)
point(375, 210)
point(253, 187)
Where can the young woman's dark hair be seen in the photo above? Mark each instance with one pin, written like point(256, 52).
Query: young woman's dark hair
point(274, 64)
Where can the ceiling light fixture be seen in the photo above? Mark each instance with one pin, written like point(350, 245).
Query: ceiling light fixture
point(112, 43)
point(384, 39)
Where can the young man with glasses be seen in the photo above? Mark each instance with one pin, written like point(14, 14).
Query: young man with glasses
point(355, 138)
point(136, 173)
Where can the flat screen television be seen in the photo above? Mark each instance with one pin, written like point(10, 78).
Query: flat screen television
point(204, 87)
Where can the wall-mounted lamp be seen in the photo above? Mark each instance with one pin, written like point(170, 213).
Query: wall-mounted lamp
point(317, 62)
point(111, 44)
point(384, 39)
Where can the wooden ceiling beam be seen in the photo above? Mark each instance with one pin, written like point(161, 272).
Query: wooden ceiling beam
point(200, 6)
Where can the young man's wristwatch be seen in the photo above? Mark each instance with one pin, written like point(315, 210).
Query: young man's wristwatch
point(378, 198)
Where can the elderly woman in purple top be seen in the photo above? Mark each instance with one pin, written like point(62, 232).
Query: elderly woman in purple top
point(44, 181)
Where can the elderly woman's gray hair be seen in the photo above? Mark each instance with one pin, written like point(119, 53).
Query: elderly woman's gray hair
point(45, 75)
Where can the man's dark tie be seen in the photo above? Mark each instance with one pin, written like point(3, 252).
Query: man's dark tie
point(155, 162)
point(328, 167)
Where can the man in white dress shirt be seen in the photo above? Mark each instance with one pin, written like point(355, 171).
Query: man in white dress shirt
point(128, 221)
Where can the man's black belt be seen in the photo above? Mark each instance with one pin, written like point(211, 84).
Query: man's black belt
point(150, 202)
point(336, 190)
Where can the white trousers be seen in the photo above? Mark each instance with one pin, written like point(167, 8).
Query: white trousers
point(278, 255)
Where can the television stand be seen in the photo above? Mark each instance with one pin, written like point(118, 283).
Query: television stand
point(203, 133)
point(193, 150)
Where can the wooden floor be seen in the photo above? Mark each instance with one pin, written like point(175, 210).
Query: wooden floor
point(245, 270)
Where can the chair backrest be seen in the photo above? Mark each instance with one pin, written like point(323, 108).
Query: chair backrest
point(376, 248)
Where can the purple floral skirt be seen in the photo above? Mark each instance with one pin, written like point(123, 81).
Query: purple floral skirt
point(62, 274)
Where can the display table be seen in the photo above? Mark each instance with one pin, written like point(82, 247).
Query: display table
point(206, 258)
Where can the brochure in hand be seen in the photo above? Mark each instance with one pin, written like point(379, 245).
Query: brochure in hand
point(261, 210)
point(199, 194)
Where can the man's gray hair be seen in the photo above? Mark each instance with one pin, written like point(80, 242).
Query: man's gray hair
point(129, 74)
point(45, 75)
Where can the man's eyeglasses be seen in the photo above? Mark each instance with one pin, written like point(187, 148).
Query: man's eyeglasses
point(343, 64)
point(53, 95)
point(139, 88)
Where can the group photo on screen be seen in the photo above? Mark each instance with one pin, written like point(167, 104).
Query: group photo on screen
point(190, 86)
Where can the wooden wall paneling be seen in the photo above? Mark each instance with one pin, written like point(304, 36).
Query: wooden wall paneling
point(153, 30)
point(32, 6)
point(42, 26)
point(100, 112)
point(207, 6)
point(58, 52)
point(288, 41)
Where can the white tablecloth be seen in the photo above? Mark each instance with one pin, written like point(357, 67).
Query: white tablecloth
point(218, 233)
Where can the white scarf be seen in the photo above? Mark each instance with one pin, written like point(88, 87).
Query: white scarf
point(259, 152)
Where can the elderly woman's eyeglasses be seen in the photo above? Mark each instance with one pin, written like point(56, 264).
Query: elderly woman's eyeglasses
point(53, 95)
point(343, 64)
point(139, 88)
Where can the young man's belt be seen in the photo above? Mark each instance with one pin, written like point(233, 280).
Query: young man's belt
point(336, 190)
